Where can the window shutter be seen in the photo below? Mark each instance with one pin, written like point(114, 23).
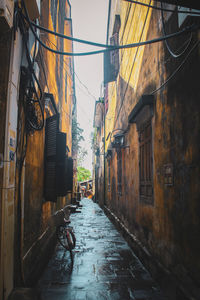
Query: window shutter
point(107, 68)
point(61, 181)
point(146, 176)
point(52, 125)
point(69, 173)
point(119, 171)
point(111, 61)
point(114, 55)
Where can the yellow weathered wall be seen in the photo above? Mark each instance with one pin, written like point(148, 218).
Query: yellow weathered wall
point(37, 211)
point(168, 227)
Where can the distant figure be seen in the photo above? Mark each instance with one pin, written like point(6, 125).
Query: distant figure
point(89, 194)
point(83, 190)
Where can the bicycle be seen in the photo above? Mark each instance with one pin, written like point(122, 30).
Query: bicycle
point(64, 232)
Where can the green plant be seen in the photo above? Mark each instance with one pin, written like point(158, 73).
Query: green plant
point(83, 174)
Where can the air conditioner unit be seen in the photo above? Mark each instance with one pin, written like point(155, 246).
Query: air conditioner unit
point(183, 18)
point(6, 14)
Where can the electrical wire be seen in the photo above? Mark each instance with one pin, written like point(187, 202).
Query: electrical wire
point(86, 88)
point(33, 104)
point(177, 69)
point(160, 8)
point(122, 52)
point(68, 37)
point(43, 61)
point(175, 34)
point(173, 54)
point(162, 62)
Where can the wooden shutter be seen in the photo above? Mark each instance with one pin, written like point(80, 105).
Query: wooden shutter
point(111, 61)
point(109, 165)
point(114, 55)
point(51, 129)
point(107, 68)
point(69, 173)
point(146, 186)
point(119, 171)
point(61, 181)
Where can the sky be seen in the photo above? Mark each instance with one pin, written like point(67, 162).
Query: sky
point(89, 21)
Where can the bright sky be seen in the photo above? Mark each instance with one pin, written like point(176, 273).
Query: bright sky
point(89, 19)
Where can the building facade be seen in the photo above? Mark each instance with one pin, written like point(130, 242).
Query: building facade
point(152, 129)
point(37, 105)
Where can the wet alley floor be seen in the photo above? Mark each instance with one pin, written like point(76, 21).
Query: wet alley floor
point(104, 265)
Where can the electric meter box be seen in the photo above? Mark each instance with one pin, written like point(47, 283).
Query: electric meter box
point(6, 14)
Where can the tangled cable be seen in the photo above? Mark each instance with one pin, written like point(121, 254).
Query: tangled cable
point(33, 105)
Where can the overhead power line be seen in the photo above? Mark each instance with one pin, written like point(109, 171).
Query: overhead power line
point(172, 53)
point(132, 45)
point(177, 69)
point(69, 37)
point(161, 8)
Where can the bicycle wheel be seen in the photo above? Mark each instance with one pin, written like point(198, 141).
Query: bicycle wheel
point(66, 237)
point(71, 240)
point(61, 236)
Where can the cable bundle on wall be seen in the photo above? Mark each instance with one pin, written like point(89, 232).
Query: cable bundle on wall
point(33, 93)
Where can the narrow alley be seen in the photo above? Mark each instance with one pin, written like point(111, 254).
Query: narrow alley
point(100, 99)
point(104, 265)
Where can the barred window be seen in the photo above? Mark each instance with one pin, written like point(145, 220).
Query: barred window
point(145, 163)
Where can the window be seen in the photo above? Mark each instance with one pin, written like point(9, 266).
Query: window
point(119, 171)
point(114, 55)
point(145, 163)
point(111, 58)
point(51, 130)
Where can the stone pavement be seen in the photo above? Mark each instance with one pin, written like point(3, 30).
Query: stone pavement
point(104, 265)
